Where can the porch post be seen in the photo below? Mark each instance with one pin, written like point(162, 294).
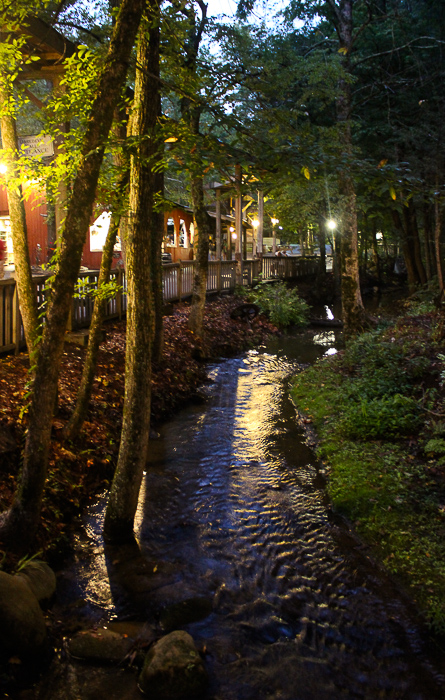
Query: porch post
point(218, 223)
point(260, 224)
point(239, 224)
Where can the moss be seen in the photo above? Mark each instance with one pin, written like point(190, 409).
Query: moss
point(389, 488)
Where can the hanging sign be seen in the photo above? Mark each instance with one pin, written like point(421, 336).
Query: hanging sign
point(37, 146)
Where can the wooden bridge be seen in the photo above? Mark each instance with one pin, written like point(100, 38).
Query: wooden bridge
point(223, 276)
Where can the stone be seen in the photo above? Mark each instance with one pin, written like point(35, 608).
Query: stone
point(173, 669)
point(40, 578)
point(100, 645)
point(22, 624)
point(184, 612)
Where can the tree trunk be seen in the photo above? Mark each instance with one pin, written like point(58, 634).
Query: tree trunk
point(354, 317)
point(78, 416)
point(427, 238)
point(158, 213)
point(437, 235)
point(375, 252)
point(322, 244)
point(411, 269)
point(202, 233)
point(413, 240)
point(158, 295)
point(25, 285)
point(19, 524)
point(122, 504)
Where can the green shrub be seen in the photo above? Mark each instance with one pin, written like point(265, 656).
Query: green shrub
point(389, 416)
point(283, 305)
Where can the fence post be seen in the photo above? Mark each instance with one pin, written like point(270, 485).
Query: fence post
point(180, 280)
point(218, 275)
point(16, 321)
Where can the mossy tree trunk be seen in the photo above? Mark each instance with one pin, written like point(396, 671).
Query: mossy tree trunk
point(25, 286)
point(83, 397)
point(354, 316)
point(202, 237)
point(158, 295)
point(158, 183)
point(123, 500)
point(19, 523)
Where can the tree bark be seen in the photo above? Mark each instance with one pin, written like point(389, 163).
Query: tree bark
point(202, 235)
point(153, 86)
point(122, 504)
point(354, 317)
point(19, 523)
point(412, 233)
point(25, 285)
point(411, 268)
point(77, 418)
point(437, 236)
point(375, 251)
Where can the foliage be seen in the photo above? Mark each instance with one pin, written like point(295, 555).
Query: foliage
point(280, 303)
point(389, 416)
point(362, 402)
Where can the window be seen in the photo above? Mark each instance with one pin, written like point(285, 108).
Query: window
point(170, 233)
point(98, 233)
point(5, 235)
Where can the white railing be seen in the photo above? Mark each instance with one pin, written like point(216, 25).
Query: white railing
point(223, 276)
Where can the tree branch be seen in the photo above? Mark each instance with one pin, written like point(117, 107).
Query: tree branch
point(400, 48)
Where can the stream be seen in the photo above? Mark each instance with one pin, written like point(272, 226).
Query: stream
point(234, 521)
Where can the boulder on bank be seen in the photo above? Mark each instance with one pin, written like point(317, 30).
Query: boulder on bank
point(173, 669)
point(22, 624)
point(40, 578)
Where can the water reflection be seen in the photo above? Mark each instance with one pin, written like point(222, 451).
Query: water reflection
point(236, 544)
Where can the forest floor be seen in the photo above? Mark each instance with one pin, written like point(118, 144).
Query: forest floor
point(79, 470)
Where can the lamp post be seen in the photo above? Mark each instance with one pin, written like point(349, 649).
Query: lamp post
point(274, 234)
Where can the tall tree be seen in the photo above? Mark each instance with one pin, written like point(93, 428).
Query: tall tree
point(141, 238)
point(191, 112)
point(19, 523)
point(12, 59)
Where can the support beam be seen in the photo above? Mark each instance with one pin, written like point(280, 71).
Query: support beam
point(260, 224)
point(218, 224)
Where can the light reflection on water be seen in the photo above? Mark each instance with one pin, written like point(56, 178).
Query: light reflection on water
point(233, 508)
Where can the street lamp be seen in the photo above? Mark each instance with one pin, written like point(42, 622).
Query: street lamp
point(274, 234)
point(331, 224)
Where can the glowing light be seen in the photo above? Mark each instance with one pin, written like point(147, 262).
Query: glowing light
point(275, 221)
point(234, 236)
point(3, 168)
point(331, 224)
point(255, 223)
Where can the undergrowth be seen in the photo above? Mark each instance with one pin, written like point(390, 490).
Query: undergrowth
point(378, 409)
point(283, 305)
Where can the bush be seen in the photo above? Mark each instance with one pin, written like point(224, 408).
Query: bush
point(386, 417)
point(283, 305)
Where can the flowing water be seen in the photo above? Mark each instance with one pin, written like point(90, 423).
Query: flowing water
point(233, 512)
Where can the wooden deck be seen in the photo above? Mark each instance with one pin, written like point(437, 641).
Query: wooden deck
point(223, 276)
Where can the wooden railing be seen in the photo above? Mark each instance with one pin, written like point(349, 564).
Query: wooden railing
point(223, 276)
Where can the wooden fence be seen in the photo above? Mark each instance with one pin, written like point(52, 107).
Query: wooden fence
point(223, 276)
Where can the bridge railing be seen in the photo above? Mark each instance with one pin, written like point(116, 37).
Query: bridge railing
point(223, 276)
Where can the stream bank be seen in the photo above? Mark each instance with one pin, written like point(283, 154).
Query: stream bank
point(238, 546)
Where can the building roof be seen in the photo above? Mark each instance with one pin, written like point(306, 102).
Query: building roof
point(49, 45)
